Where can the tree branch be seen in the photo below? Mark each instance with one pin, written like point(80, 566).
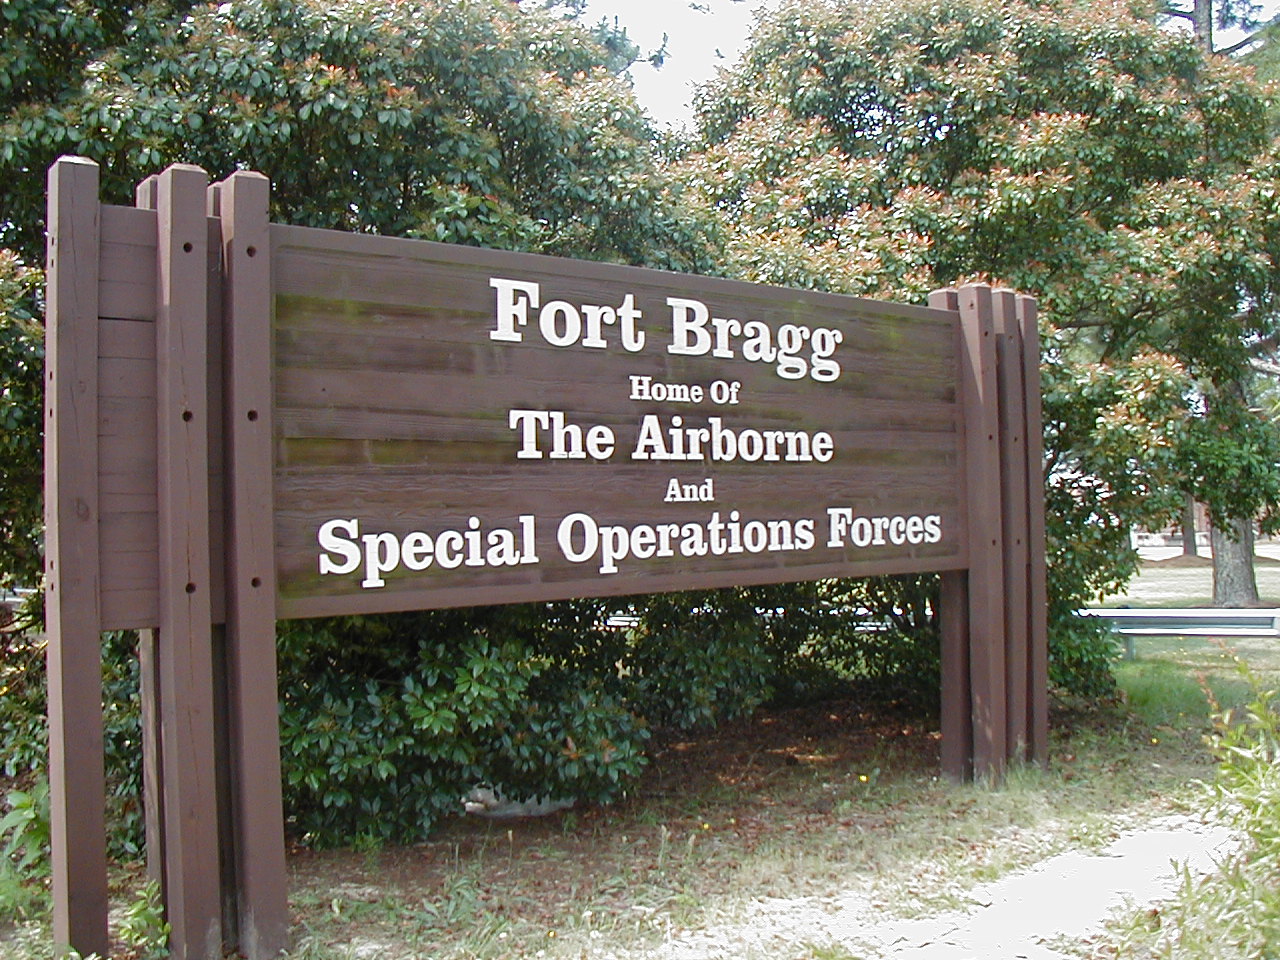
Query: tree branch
point(1083, 324)
point(1254, 37)
point(1265, 366)
point(1257, 36)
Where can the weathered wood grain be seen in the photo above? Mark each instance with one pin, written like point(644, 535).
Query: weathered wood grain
point(184, 651)
point(393, 404)
point(257, 816)
point(77, 787)
point(1013, 499)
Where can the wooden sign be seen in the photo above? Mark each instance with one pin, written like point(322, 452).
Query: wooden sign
point(464, 426)
point(248, 421)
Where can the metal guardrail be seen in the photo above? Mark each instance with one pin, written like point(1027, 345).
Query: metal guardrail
point(1220, 622)
point(1193, 621)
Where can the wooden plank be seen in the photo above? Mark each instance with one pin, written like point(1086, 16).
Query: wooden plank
point(127, 283)
point(462, 596)
point(258, 815)
point(77, 789)
point(345, 259)
point(130, 609)
point(152, 792)
point(128, 455)
point(1037, 591)
point(184, 643)
point(134, 226)
point(1013, 497)
point(956, 705)
point(986, 552)
point(127, 339)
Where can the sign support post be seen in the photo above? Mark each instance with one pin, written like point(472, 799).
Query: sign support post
point(77, 784)
point(184, 640)
point(241, 203)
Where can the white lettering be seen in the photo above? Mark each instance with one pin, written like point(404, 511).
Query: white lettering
point(688, 319)
point(568, 440)
point(716, 442)
point(843, 527)
point(330, 543)
point(384, 552)
point(510, 310)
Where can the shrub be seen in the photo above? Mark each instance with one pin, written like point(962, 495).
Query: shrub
point(1235, 913)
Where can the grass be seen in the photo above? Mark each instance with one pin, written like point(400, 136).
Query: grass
point(1233, 914)
point(798, 805)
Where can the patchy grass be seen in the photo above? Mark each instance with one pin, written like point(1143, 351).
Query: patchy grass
point(829, 800)
point(1234, 913)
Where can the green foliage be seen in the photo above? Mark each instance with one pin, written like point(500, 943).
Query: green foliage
point(388, 722)
point(22, 704)
point(21, 396)
point(143, 927)
point(25, 830)
point(1247, 786)
point(24, 853)
point(884, 629)
point(696, 659)
point(1235, 912)
point(19, 898)
point(24, 731)
point(475, 122)
point(1072, 150)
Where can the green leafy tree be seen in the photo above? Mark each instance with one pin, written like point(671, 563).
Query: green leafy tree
point(21, 393)
point(1072, 150)
point(1234, 582)
point(475, 122)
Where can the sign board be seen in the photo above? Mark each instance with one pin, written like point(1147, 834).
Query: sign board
point(248, 421)
point(464, 426)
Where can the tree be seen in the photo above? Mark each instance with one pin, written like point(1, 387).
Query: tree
point(1232, 544)
point(473, 122)
point(1229, 14)
point(470, 122)
point(1072, 150)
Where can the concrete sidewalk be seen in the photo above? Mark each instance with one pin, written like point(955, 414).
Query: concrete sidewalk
point(1066, 897)
point(1069, 896)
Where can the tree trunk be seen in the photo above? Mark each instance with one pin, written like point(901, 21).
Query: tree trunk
point(1234, 584)
point(1203, 25)
point(1189, 546)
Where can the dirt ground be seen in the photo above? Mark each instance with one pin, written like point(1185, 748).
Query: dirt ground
point(724, 795)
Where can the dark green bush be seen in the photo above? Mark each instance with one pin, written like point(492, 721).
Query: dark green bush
point(387, 722)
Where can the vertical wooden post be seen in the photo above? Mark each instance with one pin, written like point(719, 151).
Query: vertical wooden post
point(242, 204)
point(152, 792)
point(77, 781)
point(957, 701)
point(1037, 592)
point(956, 706)
point(986, 551)
point(184, 640)
point(149, 693)
point(1013, 498)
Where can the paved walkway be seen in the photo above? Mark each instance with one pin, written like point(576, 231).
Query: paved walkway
point(1068, 896)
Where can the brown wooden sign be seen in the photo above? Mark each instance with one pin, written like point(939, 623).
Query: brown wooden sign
point(462, 426)
point(249, 421)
